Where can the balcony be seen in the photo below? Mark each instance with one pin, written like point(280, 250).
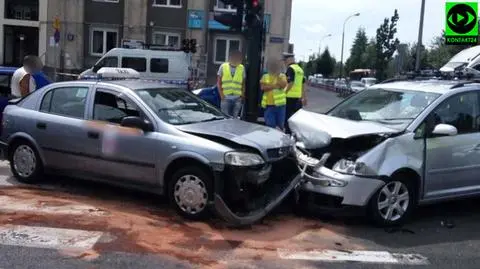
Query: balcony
point(22, 10)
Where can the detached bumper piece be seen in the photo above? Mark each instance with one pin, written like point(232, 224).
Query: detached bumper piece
point(244, 196)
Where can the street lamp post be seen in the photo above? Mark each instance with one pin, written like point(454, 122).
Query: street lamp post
point(420, 34)
point(320, 43)
point(343, 40)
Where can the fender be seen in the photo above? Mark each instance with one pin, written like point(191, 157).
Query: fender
point(29, 139)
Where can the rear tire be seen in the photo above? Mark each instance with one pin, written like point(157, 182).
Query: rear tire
point(189, 191)
point(25, 162)
point(393, 203)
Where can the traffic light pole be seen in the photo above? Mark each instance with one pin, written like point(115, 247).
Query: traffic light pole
point(255, 41)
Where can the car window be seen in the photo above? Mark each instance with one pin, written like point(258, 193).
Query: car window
point(178, 106)
point(159, 65)
point(113, 108)
point(461, 111)
point(108, 62)
point(5, 84)
point(137, 63)
point(66, 101)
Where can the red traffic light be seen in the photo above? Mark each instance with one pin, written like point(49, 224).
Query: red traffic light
point(255, 3)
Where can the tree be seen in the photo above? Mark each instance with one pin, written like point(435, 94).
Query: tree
point(440, 53)
point(386, 44)
point(369, 57)
point(356, 52)
point(325, 64)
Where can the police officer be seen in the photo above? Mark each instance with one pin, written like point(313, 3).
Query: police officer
point(295, 88)
point(231, 84)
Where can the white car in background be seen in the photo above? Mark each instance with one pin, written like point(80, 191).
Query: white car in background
point(368, 81)
point(357, 86)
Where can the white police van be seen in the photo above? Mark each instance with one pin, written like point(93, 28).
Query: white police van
point(169, 66)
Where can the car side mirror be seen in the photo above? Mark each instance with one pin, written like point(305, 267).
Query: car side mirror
point(444, 130)
point(137, 123)
point(96, 67)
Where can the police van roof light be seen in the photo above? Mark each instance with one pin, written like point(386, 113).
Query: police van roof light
point(117, 73)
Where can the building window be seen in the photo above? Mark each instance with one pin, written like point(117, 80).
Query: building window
point(167, 3)
point(102, 40)
point(166, 39)
point(223, 47)
point(21, 10)
point(219, 5)
point(106, 1)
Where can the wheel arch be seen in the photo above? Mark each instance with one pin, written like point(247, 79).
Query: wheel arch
point(26, 137)
point(413, 176)
point(185, 160)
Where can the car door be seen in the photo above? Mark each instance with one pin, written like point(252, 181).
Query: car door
point(453, 162)
point(124, 154)
point(60, 128)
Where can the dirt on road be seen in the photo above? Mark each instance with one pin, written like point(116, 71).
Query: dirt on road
point(138, 225)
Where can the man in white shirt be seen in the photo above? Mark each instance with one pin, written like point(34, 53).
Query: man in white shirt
point(22, 80)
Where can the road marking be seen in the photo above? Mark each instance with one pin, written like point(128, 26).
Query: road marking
point(6, 181)
point(383, 257)
point(9, 204)
point(44, 237)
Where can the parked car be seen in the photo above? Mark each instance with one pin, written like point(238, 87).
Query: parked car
point(153, 137)
point(6, 74)
point(392, 147)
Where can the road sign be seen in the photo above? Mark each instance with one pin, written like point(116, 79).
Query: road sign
point(56, 36)
point(56, 24)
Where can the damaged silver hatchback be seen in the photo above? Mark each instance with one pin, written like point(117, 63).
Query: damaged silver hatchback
point(392, 147)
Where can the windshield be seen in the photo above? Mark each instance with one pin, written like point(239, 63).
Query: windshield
point(393, 107)
point(179, 106)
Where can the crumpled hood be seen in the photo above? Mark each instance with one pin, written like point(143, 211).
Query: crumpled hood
point(243, 133)
point(316, 130)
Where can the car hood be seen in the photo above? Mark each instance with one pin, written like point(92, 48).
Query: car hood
point(244, 133)
point(316, 130)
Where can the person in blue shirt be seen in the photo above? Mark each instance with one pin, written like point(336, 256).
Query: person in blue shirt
point(39, 76)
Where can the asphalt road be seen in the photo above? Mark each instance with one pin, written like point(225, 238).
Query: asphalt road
point(65, 224)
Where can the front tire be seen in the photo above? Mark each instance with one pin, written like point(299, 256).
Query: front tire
point(189, 191)
point(25, 162)
point(393, 203)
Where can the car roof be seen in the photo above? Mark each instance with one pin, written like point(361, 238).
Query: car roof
point(132, 84)
point(432, 85)
point(140, 84)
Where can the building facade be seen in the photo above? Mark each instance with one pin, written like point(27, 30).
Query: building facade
point(89, 28)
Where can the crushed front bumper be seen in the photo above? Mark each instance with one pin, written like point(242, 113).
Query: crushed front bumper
point(343, 189)
point(269, 193)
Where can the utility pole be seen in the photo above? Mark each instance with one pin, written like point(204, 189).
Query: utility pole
point(206, 11)
point(420, 35)
point(343, 39)
point(255, 35)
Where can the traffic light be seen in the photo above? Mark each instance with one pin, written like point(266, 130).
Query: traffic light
point(253, 16)
point(234, 21)
point(193, 46)
point(186, 45)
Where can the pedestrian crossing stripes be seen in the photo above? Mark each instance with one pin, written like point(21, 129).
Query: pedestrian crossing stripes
point(45, 237)
point(380, 257)
point(9, 204)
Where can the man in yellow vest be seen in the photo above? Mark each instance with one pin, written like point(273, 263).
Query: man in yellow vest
point(231, 84)
point(295, 90)
point(273, 85)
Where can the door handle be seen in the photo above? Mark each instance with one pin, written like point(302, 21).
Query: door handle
point(41, 125)
point(93, 135)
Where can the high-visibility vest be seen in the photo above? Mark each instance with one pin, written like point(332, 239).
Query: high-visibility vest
point(232, 85)
point(279, 97)
point(296, 90)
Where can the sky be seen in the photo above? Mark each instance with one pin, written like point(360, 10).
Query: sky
point(314, 19)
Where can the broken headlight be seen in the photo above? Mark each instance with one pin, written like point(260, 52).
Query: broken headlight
point(349, 167)
point(243, 159)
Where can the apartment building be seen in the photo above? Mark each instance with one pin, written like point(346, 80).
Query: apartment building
point(89, 28)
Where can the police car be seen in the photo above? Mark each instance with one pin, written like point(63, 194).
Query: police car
point(151, 136)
